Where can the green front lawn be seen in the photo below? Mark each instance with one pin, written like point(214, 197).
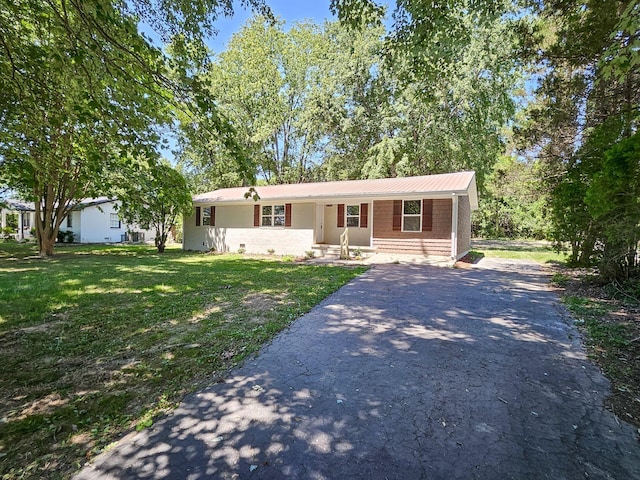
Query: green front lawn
point(98, 340)
point(534, 251)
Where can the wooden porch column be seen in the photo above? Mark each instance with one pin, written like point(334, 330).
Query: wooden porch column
point(454, 227)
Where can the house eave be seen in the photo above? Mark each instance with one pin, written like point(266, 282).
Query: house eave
point(321, 199)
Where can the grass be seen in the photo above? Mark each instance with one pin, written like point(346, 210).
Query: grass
point(535, 252)
point(99, 340)
point(607, 340)
point(611, 330)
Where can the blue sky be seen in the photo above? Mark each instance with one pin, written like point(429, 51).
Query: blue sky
point(290, 11)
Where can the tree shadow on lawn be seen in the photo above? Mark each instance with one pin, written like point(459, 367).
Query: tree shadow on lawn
point(405, 372)
point(91, 340)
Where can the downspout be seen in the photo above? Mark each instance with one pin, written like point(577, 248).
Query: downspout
point(454, 227)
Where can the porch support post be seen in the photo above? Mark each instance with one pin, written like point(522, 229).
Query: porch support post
point(371, 220)
point(454, 227)
point(21, 225)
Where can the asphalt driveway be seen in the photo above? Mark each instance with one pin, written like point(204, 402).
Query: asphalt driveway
point(408, 372)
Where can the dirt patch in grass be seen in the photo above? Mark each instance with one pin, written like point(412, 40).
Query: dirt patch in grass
point(609, 319)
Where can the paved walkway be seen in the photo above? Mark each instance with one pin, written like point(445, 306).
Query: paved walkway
point(408, 372)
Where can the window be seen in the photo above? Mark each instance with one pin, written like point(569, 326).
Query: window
point(356, 216)
point(26, 220)
point(206, 216)
point(69, 221)
point(272, 216)
point(353, 215)
point(114, 221)
point(411, 215)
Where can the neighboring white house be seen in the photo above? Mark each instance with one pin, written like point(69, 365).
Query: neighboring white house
point(18, 215)
point(426, 215)
point(92, 220)
point(96, 220)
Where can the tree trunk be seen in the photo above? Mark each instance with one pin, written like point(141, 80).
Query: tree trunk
point(46, 244)
point(161, 239)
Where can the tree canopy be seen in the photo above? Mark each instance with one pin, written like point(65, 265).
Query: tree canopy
point(156, 198)
point(82, 90)
point(324, 102)
point(585, 111)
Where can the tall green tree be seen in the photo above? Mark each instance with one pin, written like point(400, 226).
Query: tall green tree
point(512, 206)
point(587, 102)
point(68, 118)
point(613, 198)
point(155, 199)
point(453, 70)
point(81, 90)
point(264, 83)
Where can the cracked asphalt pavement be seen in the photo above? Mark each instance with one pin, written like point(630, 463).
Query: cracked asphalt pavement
point(408, 372)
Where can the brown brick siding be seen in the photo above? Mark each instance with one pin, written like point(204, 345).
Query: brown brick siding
point(435, 242)
point(464, 225)
point(419, 246)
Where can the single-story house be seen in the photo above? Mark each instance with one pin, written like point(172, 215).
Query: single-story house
point(92, 220)
point(425, 215)
point(96, 220)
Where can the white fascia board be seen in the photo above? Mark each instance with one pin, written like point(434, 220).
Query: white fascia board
point(341, 199)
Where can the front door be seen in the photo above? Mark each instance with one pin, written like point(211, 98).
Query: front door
point(319, 227)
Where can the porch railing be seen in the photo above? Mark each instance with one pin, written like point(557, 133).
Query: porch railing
point(344, 244)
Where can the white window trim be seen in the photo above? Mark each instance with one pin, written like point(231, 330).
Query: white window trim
point(412, 215)
point(111, 221)
point(205, 211)
point(273, 216)
point(347, 216)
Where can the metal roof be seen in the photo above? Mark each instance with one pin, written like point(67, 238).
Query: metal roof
point(460, 183)
point(91, 201)
point(18, 205)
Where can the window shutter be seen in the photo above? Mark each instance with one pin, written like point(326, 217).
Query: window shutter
point(198, 216)
point(364, 215)
point(256, 215)
point(427, 215)
point(287, 215)
point(340, 215)
point(397, 215)
point(213, 216)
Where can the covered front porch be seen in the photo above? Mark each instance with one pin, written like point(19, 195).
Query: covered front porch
point(19, 218)
point(333, 219)
point(423, 226)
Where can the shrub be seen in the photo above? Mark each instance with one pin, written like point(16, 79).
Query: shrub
point(7, 233)
point(560, 279)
